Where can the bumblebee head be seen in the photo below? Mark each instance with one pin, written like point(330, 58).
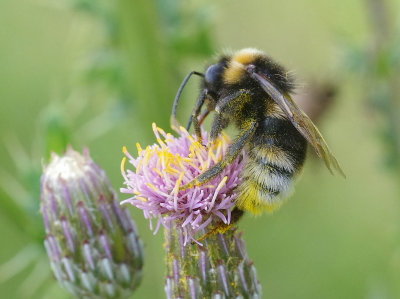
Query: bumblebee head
point(213, 77)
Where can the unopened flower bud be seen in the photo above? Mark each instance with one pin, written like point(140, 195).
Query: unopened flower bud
point(91, 241)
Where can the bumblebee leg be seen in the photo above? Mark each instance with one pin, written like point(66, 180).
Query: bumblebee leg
point(174, 123)
point(220, 227)
point(205, 113)
point(235, 100)
point(195, 113)
point(218, 124)
point(232, 102)
point(233, 151)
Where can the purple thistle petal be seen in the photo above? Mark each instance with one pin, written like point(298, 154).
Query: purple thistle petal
point(158, 225)
point(198, 219)
point(204, 224)
point(188, 219)
point(220, 216)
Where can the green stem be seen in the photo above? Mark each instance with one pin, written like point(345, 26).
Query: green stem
point(148, 72)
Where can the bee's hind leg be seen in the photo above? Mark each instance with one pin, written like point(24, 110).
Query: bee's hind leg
point(233, 151)
point(221, 227)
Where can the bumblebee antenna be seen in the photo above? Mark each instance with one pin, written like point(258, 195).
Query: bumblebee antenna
point(174, 123)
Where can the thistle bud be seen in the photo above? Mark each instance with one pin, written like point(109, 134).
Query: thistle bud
point(92, 242)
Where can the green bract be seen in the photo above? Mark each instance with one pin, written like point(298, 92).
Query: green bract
point(218, 269)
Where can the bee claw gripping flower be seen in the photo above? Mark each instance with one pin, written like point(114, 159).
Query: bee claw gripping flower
point(162, 186)
point(91, 241)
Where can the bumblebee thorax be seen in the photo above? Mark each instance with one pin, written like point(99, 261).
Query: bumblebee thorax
point(235, 71)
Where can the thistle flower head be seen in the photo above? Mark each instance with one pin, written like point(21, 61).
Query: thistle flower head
point(91, 241)
point(162, 168)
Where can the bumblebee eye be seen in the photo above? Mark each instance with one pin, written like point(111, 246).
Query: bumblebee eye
point(213, 72)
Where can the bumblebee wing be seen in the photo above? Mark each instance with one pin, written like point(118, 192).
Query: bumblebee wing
point(301, 122)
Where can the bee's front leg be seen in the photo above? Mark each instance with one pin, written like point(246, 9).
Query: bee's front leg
point(195, 113)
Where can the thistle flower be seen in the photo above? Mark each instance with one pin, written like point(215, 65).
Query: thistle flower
point(92, 243)
point(219, 267)
point(162, 168)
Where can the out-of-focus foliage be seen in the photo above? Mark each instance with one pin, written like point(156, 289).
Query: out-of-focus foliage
point(104, 89)
point(377, 65)
point(97, 73)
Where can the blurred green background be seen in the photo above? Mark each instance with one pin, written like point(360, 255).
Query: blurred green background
point(97, 73)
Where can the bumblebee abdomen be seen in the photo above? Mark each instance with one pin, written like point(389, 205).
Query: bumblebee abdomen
point(273, 159)
point(263, 186)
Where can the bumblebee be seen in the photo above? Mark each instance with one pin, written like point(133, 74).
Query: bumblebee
point(252, 92)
